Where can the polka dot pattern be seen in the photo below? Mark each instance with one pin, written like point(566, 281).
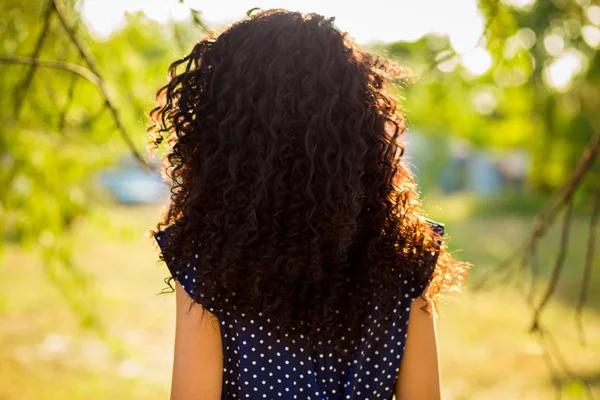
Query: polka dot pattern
point(259, 363)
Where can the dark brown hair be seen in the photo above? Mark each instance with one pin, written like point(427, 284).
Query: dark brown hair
point(284, 156)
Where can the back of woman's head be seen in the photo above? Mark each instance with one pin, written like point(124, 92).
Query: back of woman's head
point(287, 183)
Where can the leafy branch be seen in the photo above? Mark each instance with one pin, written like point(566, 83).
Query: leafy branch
point(92, 73)
point(563, 198)
point(22, 89)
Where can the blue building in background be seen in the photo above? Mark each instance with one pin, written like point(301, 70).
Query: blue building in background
point(452, 165)
point(128, 183)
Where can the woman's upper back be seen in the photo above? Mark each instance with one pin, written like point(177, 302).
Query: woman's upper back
point(265, 361)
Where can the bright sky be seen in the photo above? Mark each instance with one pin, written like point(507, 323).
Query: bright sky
point(366, 21)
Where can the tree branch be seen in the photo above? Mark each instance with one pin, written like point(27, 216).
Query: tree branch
point(53, 64)
point(550, 348)
point(589, 261)
point(86, 54)
point(70, 96)
point(21, 90)
point(558, 267)
point(91, 77)
point(546, 218)
point(562, 196)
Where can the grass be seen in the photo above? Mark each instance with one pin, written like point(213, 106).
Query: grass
point(486, 350)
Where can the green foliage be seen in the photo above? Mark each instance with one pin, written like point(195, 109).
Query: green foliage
point(52, 147)
point(513, 104)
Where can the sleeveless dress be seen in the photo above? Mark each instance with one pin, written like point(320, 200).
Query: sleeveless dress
point(258, 364)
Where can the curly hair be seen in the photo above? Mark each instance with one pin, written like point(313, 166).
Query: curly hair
point(284, 156)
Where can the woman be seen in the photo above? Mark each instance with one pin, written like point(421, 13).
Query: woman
point(303, 266)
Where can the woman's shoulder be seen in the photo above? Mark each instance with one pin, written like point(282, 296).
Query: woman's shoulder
point(183, 272)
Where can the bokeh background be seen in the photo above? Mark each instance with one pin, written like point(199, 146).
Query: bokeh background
point(505, 111)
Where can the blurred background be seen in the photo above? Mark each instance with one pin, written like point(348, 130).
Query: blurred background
point(503, 139)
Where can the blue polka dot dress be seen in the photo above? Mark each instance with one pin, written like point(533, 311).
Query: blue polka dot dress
point(259, 364)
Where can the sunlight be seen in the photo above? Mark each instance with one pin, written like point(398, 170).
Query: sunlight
point(477, 61)
point(484, 100)
point(554, 44)
point(591, 35)
point(448, 65)
point(526, 38)
point(511, 47)
point(523, 39)
point(522, 4)
point(593, 14)
point(400, 20)
point(561, 72)
point(104, 17)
